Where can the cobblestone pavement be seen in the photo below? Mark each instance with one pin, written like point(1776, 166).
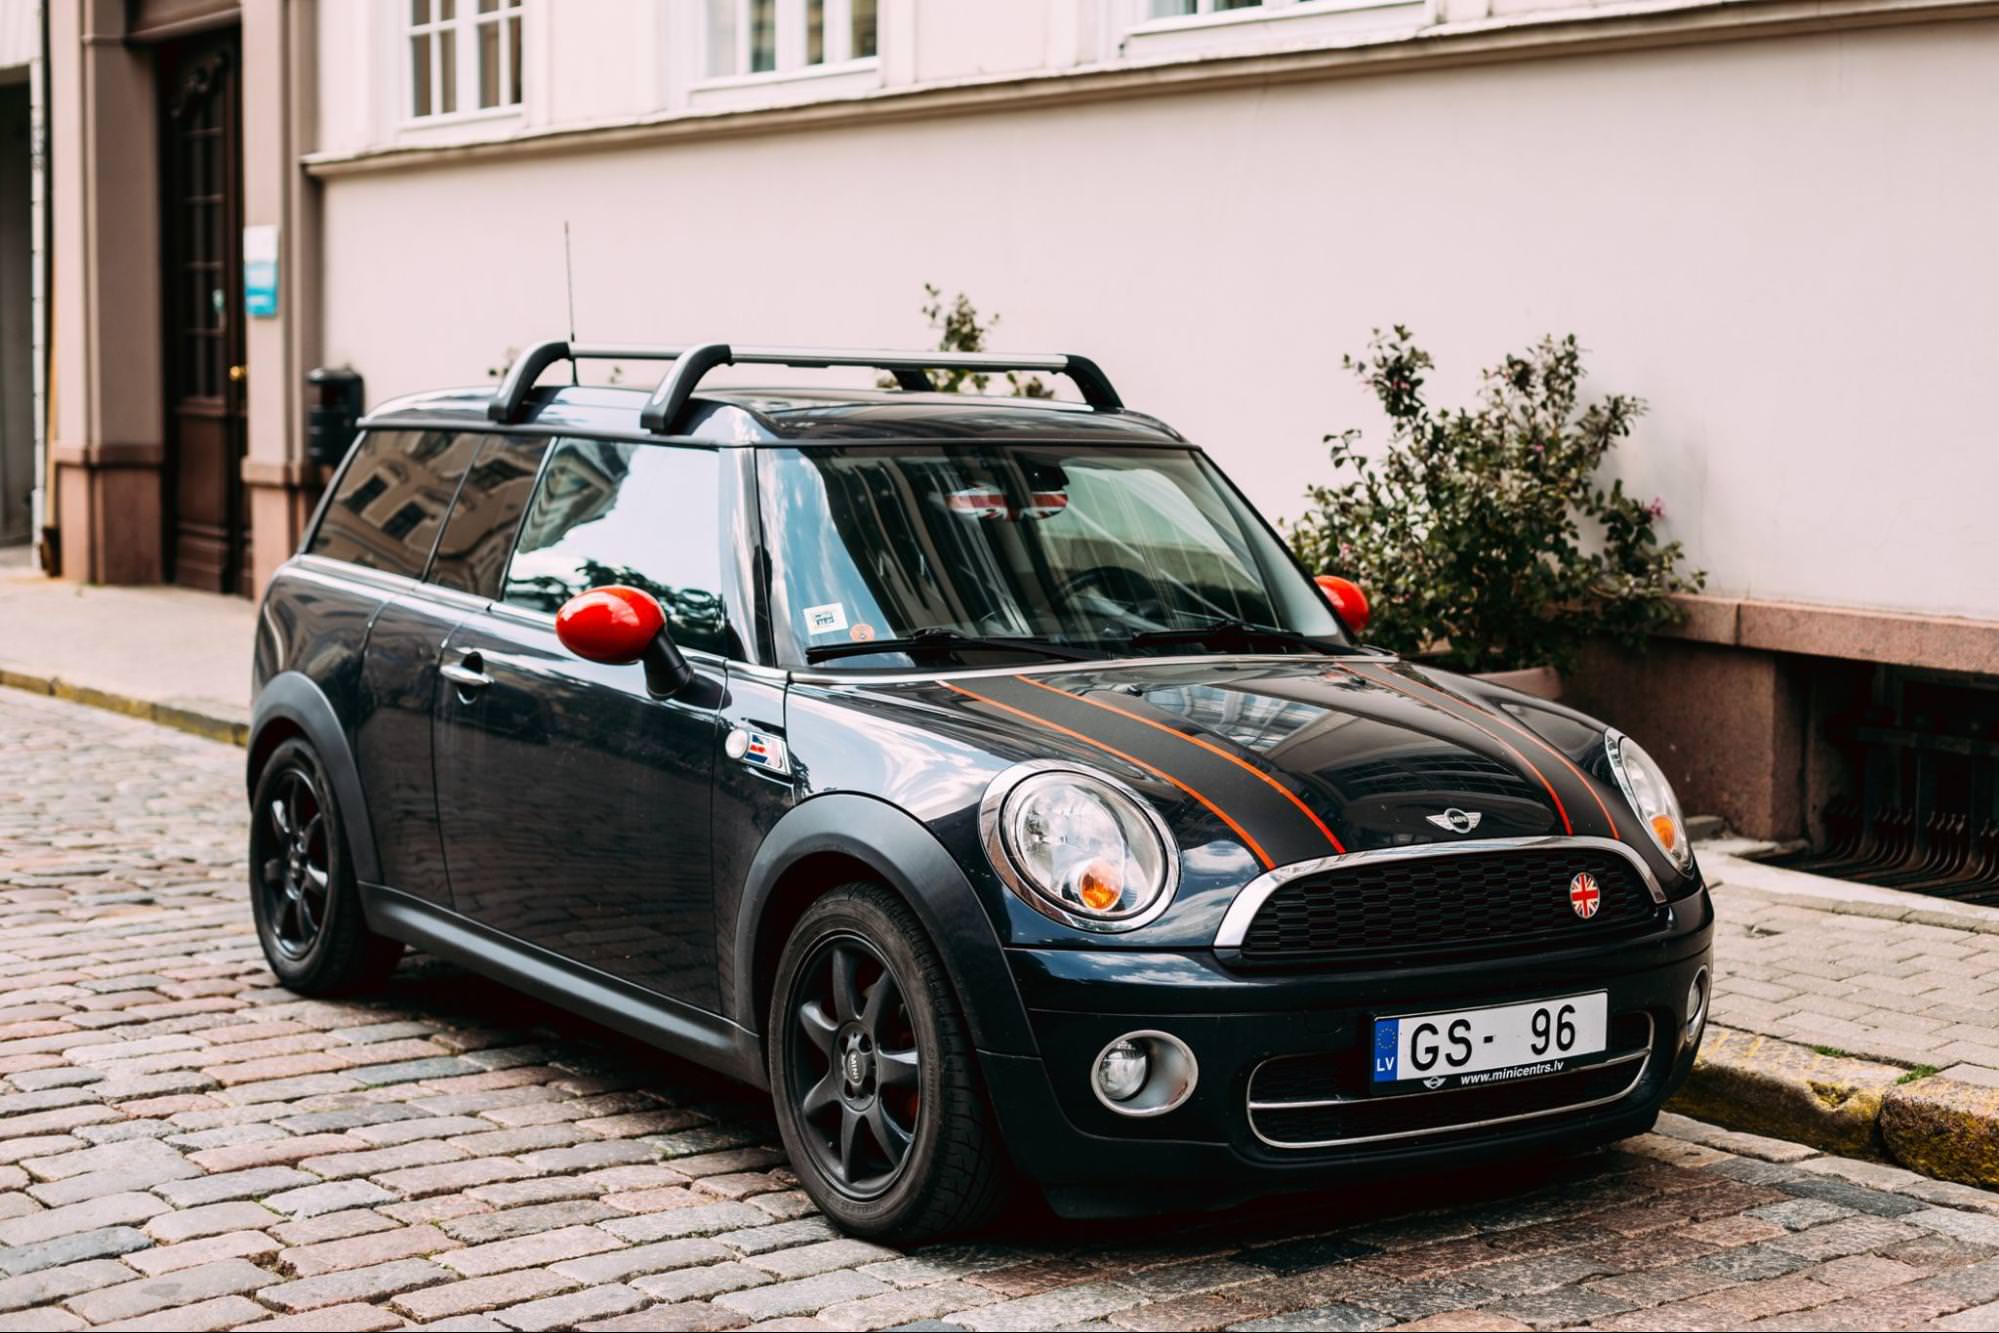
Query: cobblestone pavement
point(184, 1146)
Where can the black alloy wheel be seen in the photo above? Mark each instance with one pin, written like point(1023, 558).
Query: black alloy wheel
point(302, 890)
point(874, 1076)
point(293, 864)
point(856, 1076)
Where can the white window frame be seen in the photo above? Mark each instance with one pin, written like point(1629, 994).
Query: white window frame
point(462, 30)
point(1272, 25)
point(789, 57)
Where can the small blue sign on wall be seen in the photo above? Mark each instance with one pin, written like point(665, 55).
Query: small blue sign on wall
point(260, 272)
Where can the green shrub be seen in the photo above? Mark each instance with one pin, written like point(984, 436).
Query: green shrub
point(959, 330)
point(1481, 535)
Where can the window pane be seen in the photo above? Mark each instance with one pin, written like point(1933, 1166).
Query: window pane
point(489, 64)
point(815, 32)
point(1169, 9)
point(763, 36)
point(722, 38)
point(447, 78)
point(1221, 5)
point(644, 515)
point(444, 8)
point(514, 56)
point(419, 12)
point(864, 28)
point(420, 75)
point(479, 535)
point(392, 497)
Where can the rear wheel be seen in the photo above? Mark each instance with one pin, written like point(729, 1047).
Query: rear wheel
point(874, 1076)
point(302, 892)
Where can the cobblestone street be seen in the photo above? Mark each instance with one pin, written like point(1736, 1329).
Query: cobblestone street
point(184, 1146)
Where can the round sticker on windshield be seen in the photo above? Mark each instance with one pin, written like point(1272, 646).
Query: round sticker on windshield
point(862, 632)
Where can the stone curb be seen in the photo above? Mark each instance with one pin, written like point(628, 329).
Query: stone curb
point(196, 721)
point(1940, 1127)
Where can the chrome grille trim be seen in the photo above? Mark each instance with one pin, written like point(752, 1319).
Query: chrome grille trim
point(1235, 924)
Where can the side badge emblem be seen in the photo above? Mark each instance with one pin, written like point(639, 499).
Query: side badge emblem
point(1455, 820)
point(757, 749)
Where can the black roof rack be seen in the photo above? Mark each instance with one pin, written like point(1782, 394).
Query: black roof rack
point(663, 408)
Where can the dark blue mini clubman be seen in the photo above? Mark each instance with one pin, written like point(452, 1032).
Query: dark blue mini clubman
point(982, 776)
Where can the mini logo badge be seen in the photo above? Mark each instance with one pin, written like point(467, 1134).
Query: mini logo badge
point(1584, 895)
point(1455, 820)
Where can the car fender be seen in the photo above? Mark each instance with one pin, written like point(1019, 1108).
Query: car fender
point(910, 859)
point(293, 697)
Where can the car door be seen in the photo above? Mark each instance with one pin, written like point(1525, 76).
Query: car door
point(384, 518)
point(575, 806)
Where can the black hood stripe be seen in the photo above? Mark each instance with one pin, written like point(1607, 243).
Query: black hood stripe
point(996, 687)
point(1394, 680)
point(1501, 716)
point(1259, 774)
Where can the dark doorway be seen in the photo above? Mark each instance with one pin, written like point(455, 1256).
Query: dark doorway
point(202, 192)
point(17, 357)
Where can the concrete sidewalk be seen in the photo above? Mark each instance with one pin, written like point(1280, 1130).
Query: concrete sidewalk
point(171, 655)
point(1856, 1019)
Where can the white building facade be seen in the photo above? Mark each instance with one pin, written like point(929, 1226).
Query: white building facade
point(1772, 219)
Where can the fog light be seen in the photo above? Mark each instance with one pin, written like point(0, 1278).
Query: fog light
point(1696, 1005)
point(1122, 1068)
point(1144, 1073)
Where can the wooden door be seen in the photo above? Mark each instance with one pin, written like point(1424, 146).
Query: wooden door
point(202, 191)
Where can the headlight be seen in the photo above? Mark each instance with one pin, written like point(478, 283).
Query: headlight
point(1651, 796)
point(1079, 846)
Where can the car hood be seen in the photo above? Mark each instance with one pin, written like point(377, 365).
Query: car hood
point(1257, 763)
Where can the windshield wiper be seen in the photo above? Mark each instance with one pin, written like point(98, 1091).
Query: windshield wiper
point(1225, 630)
point(926, 642)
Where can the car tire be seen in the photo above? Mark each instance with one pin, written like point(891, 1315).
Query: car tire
point(302, 891)
point(856, 1072)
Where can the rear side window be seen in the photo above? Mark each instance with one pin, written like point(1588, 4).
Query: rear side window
point(479, 535)
point(393, 496)
point(645, 515)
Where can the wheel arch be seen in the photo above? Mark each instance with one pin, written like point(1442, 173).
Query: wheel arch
point(833, 839)
point(291, 706)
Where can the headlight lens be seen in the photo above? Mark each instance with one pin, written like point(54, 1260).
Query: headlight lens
point(1085, 847)
point(1651, 796)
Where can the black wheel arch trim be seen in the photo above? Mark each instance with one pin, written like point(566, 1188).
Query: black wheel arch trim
point(909, 859)
point(293, 697)
point(680, 1029)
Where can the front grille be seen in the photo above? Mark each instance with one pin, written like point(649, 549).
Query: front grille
point(1483, 903)
point(1309, 1101)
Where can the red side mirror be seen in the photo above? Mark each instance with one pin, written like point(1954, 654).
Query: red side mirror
point(1349, 602)
point(614, 625)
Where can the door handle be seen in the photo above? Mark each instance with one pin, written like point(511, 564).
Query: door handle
point(465, 673)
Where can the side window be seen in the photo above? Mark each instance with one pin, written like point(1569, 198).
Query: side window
point(392, 497)
point(479, 535)
point(646, 515)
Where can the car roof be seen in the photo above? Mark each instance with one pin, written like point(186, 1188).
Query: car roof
point(750, 416)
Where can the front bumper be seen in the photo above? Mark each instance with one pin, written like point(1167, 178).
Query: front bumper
point(1091, 1159)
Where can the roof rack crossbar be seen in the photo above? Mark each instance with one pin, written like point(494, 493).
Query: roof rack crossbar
point(911, 371)
point(512, 394)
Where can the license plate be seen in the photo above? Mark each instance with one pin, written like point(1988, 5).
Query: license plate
point(1466, 1048)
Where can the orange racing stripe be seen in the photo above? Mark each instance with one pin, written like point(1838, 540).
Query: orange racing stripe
point(1211, 748)
point(1241, 833)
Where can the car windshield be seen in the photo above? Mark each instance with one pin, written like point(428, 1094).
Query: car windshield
point(988, 553)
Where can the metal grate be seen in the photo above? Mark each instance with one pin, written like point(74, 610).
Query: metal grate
point(1487, 903)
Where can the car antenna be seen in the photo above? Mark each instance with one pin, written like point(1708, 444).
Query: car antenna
point(569, 281)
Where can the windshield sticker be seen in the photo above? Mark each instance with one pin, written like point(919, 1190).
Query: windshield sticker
point(828, 619)
point(862, 632)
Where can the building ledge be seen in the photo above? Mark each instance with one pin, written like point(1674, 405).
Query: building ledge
point(1584, 30)
point(1944, 643)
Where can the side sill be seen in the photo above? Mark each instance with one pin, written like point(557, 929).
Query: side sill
point(679, 1029)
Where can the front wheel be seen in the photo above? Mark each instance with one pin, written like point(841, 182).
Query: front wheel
point(874, 1075)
